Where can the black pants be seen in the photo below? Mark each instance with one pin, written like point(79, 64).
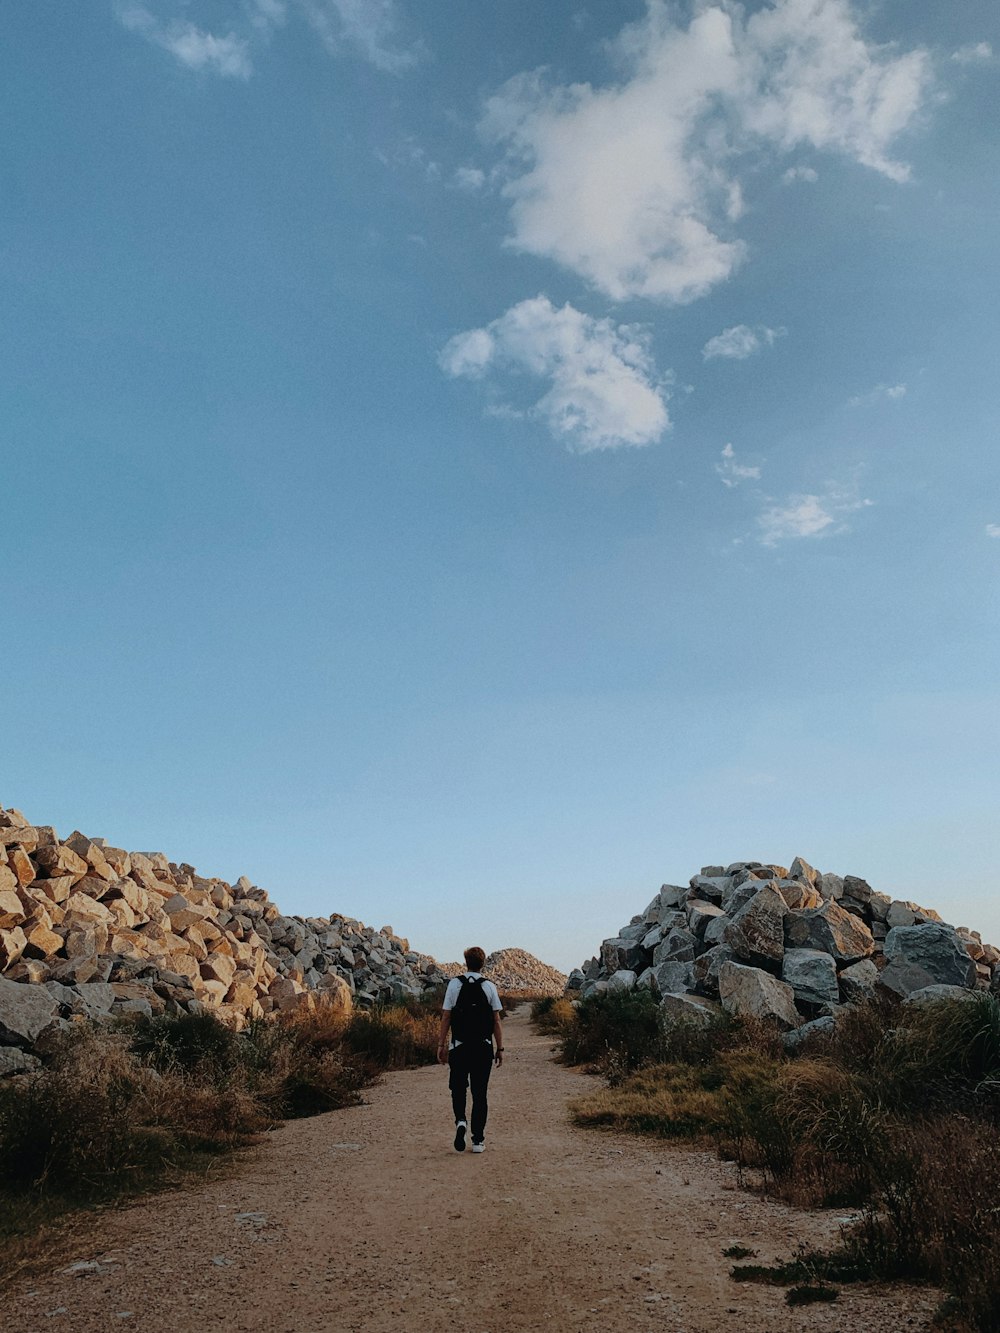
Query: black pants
point(470, 1065)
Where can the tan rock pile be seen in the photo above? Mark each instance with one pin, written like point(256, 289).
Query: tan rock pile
point(96, 930)
point(513, 970)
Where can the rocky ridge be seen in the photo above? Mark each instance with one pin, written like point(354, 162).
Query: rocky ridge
point(790, 945)
point(97, 931)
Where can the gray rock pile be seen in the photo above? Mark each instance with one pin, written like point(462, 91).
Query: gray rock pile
point(96, 931)
point(790, 945)
point(514, 970)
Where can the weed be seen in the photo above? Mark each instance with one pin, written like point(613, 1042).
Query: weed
point(808, 1295)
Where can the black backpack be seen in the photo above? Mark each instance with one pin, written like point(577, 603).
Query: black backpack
point(472, 1016)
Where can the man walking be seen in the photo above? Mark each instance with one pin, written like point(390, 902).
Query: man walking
point(471, 1011)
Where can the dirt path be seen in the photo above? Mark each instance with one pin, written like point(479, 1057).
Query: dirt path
point(366, 1221)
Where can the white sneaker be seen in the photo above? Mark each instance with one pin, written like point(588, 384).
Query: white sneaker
point(479, 1147)
point(460, 1136)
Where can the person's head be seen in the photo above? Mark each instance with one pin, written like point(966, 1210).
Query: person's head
point(474, 959)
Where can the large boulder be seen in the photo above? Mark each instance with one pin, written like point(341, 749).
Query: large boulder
point(681, 1007)
point(800, 869)
point(812, 975)
point(830, 929)
point(756, 933)
point(57, 861)
point(623, 979)
point(858, 981)
point(25, 1012)
point(672, 976)
point(680, 946)
point(11, 908)
point(901, 978)
point(620, 954)
point(819, 1027)
point(900, 914)
point(708, 965)
point(14, 1061)
point(750, 992)
point(700, 915)
point(935, 994)
point(741, 893)
point(797, 895)
point(669, 899)
point(937, 949)
point(711, 887)
point(715, 931)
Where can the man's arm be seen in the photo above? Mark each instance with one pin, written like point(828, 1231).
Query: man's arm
point(498, 1036)
point(443, 1037)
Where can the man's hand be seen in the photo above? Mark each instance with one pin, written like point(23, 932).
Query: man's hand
point(498, 1057)
point(442, 1053)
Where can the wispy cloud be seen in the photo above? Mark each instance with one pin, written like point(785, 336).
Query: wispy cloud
point(993, 529)
point(977, 53)
point(732, 473)
point(809, 515)
point(603, 392)
point(635, 185)
point(409, 155)
point(741, 341)
point(227, 55)
point(881, 393)
point(369, 28)
point(808, 174)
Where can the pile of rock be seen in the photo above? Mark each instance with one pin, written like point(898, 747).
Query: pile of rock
point(513, 971)
point(99, 931)
point(790, 945)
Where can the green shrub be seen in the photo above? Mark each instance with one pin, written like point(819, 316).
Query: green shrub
point(621, 1025)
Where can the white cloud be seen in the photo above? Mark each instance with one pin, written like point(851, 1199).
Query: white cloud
point(731, 472)
point(369, 28)
point(228, 55)
point(808, 174)
point(799, 516)
point(602, 389)
point(809, 515)
point(881, 393)
point(469, 179)
point(976, 53)
point(633, 185)
point(739, 342)
point(993, 529)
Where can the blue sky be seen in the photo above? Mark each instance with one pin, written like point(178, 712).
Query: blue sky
point(465, 465)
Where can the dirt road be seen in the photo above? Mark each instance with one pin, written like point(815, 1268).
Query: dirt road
point(367, 1220)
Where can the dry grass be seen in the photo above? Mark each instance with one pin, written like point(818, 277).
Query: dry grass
point(116, 1112)
point(552, 1015)
point(897, 1115)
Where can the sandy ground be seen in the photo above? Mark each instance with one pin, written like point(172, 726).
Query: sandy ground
point(368, 1220)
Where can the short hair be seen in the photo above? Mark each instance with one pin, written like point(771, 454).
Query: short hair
point(475, 958)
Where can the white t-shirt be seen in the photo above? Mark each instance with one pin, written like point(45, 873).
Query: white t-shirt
point(454, 990)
